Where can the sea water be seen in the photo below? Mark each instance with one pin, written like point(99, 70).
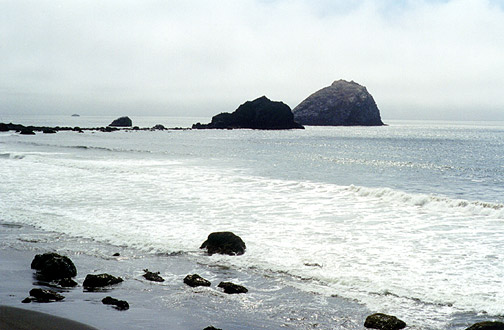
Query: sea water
point(405, 219)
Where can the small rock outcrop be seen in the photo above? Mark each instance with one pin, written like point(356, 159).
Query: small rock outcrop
point(159, 127)
point(341, 104)
point(152, 276)
point(211, 328)
point(43, 296)
point(195, 280)
point(487, 325)
point(231, 288)
point(121, 305)
point(122, 122)
point(27, 131)
point(384, 322)
point(97, 281)
point(52, 266)
point(224, 242)
point(261, 113)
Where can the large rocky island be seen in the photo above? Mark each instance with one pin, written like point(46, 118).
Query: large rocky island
point(261, 113)
point(341, 104)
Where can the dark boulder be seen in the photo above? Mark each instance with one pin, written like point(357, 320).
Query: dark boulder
point(261, 113)
point(232, 288)
point(211, 328)
point(100, 280)
point(224, 243)
point(159, 127)
point(43, 296)
point(341, 104)
point(66, 282)
point(487, 325)
point(121, 305)
point(384, 322)
point(152, 276)
point(4, 127)
point(52, 266)
point(122, 122)
point(48, 131)
point(195, 280)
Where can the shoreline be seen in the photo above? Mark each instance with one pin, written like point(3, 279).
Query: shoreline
point(271, 302)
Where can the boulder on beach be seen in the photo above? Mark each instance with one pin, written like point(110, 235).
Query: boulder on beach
point(152, 276)
point(231, 288)
point(343, 103)
point(224, 242)
point(122, 122)
point(95, 281)
point(384, 322)
point(487, 325)
point(52, 266)
point(121, 305)
point(195, 280)
point(65, 282)
point(43, 296)
point(261, 113)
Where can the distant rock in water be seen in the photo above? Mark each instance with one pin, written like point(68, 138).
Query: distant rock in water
point(261, 113)
point(341, 104)
point(122, 122)
point(75, 115)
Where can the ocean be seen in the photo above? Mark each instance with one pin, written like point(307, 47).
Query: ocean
point(405, 219)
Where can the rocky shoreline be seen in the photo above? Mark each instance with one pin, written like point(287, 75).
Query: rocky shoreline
point(48, 268)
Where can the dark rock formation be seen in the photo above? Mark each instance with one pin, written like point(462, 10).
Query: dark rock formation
point(152, 276)
point(196, 280)
point(27, 131)
point(43, 296)
point(341, 104)
point(159, 127)
point(211, 328)
point(100, 280)
point(487, 325)
point(261, 113)
point(66, 282)
point(52, 266)
point(224, 243)
point(384, 322)
point(122, 122)
point(232, 288)
point(121, 305)
point(48, 131)
point(4, 127)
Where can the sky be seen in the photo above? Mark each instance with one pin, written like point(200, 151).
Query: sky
point(420, 59)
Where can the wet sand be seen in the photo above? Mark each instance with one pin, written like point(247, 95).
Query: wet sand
point(12, 318)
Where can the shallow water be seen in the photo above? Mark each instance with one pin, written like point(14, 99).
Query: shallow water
point(401, 219)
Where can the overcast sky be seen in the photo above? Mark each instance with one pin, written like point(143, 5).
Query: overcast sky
point(420, 59)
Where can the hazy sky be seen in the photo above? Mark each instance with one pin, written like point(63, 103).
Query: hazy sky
point(420, 59)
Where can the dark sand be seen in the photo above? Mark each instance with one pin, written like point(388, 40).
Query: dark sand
point(12, 318)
